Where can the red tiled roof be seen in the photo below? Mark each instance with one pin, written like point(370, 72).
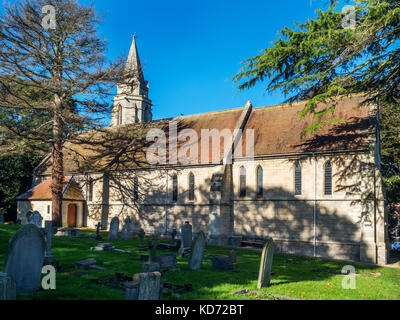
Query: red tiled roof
point(43, 191)
point(279, 129)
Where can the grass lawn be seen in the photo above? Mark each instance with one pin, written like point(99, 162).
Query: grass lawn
point(315, 279)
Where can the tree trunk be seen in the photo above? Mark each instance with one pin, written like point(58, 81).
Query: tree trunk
point(58, 165)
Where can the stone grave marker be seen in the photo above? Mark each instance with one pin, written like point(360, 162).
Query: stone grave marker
point(141, 245)
point(186, 239)
point(152, 265)
point(197, 251)
point(36, 219)
point(222, 263)
point(186, 231)
point(114, 228)
point(24, 259)
point(266, 264)
point(8, 288)
point(167, 261)
point(48, 256)
point(173, 235)
point(149, 285)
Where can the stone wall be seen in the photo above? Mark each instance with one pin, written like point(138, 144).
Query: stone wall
point(349, 224)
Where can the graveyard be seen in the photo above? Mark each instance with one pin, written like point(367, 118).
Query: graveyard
point(100, 272)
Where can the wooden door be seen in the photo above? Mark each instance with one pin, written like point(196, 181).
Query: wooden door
point(72, 210)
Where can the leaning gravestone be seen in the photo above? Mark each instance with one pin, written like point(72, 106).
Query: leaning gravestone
point(114, 228)
point(24, 260)
point(266, 264)
point(149, 285)
point(8, 287)
point(36, 219)
point(197, 252)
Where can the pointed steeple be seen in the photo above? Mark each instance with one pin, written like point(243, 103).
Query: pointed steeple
point(131, 104)
point(133, 61)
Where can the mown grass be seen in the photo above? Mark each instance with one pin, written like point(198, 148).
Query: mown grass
point(315, 279)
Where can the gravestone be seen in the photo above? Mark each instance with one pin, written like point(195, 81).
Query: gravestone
point(1, 217)
point(141, 245)
point(186, 231)
point(267, 256)
point(36, 219)
point(8, 288)
point(152, 264)
point(126, 234)
point(131, 290)
point(149, 285)
point(197, 251)
point(173, 235)
point(24, 260)
point(114, 228)
point(167, 261)
point(48, 256)
point(186, 239)
point(222, 263)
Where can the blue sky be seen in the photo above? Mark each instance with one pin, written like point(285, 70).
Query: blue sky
point(191, 49)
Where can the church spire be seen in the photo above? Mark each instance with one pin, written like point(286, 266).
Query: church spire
point(133, 61)
point(131, 104)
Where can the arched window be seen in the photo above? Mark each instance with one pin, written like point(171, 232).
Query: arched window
point(174, 188)
point(90, 191)
point(328, 178)
point(260, 179)
point(297, 180)
point(135, 189)
point(191, 186)
point(242, 182)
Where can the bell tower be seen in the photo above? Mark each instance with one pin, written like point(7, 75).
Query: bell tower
point(131, 104)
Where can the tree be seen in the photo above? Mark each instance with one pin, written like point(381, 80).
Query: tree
point(60, 55)
point(326, 58)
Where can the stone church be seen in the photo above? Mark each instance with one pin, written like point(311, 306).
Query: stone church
point(316, 195)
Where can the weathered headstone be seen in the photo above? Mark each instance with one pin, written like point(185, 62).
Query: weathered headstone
point(266, 264)
point(114, 228)
point(141, 245)
point(8, 287)
point(186, 239)
point(131, 290)
point(126, 235)
point(127, 224)
point(152, 264)
point(167, 261)
point(186, 231)
point(149, 285)
point(36, 219)
point(24, 260)
point(173, 235)
point(222, 263)
point(197, 251)
point(49, 259)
